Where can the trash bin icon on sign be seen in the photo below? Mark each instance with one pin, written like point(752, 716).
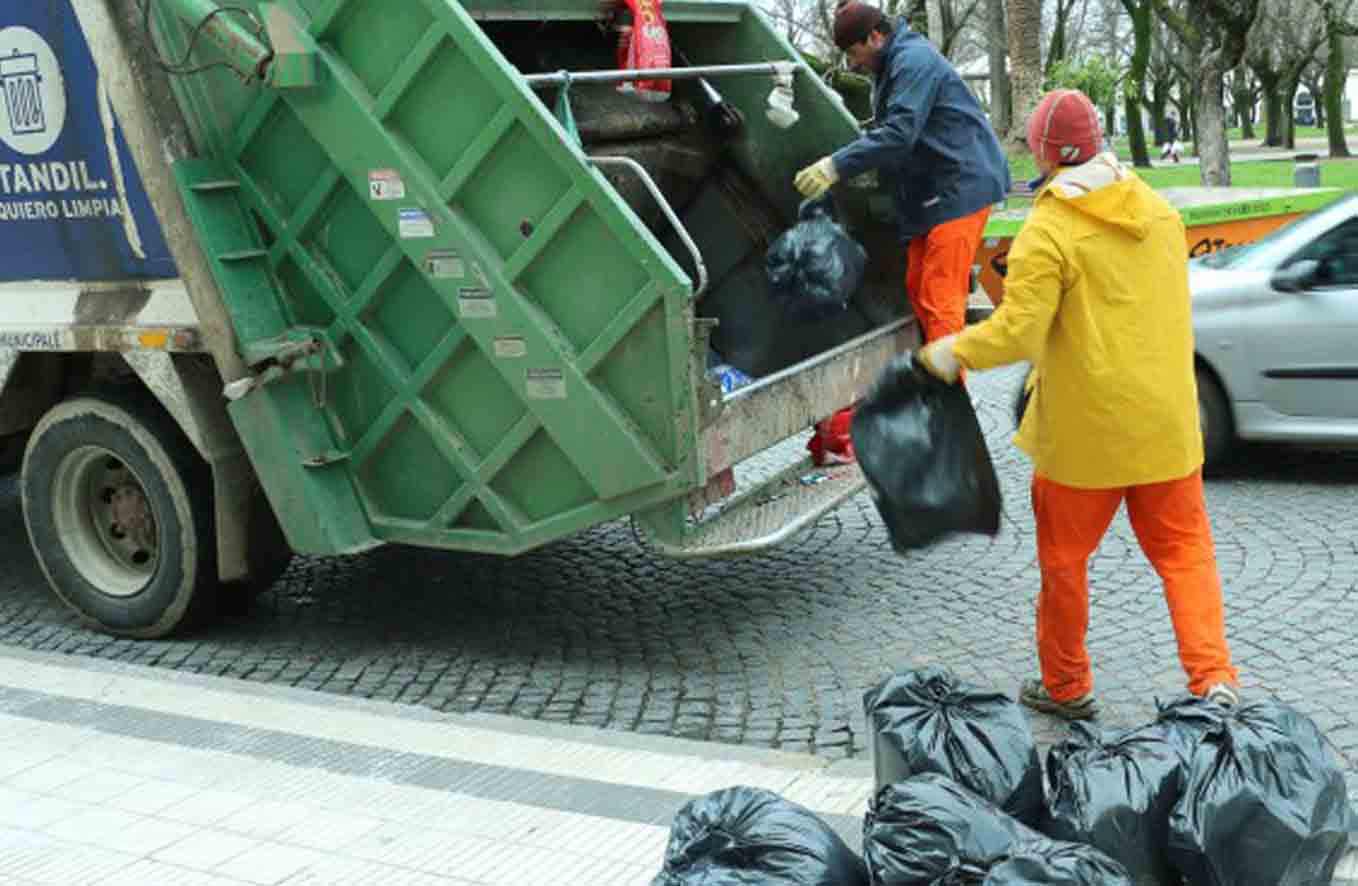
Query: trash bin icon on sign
point(21, 80)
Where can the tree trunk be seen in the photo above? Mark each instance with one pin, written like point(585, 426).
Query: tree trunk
point(1241, 97)
point(1213, 149)
point(1335, 74)
point(1134, 91)
point(1001, 98)
point(1273, 109)
point(1024, 26)
point(1288, 98)
point(935, 8)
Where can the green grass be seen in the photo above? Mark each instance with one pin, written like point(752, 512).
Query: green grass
point(1257, 174)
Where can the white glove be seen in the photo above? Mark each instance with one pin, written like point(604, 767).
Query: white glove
point(816, 179)
point(940, 361)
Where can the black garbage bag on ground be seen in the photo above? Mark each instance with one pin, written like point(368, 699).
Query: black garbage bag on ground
point(744, 836)
point(1056, 863)
point(1263, 803)
point(929, 829)
point(815, 268)
point(1115, 790)
point(1186, 721)
point(927, 720)
point(924, 456)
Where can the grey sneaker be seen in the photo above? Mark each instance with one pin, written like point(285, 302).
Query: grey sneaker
point(1034, 695)
point(1223, 694)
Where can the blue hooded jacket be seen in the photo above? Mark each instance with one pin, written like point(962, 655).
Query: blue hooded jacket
point(933, 145)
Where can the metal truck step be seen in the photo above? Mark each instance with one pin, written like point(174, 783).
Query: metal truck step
point(770, 513)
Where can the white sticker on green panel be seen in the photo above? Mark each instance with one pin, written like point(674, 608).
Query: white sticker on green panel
point(545, 384)
point(386, 184)
point(511, 347)
point(476, 304)
point(415, 224)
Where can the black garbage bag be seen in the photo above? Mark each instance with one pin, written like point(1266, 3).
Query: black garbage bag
point(1186, 721)
point(1056, 863)
point(815, 268)
point(1115, 790)
point(927, 720)
point(924, 457)
point(1263, 804)
point(929, 829)
point(745, 836)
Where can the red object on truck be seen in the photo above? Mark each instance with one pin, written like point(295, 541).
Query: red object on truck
point(646, 45)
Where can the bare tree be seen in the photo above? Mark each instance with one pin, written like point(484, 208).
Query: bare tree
point(1024, 25)
point(1134, 90)
point(1216, 34)
point(1341, 20)
point(1001, 96)
point(1059, 48)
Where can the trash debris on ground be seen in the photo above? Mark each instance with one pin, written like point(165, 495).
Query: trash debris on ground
point(929, 828)
point(1056, 863)
point(1115, 791)
point(925, 459)
point(927, 720)
point(815, 267)
point(745, 836)
point(1264, 803)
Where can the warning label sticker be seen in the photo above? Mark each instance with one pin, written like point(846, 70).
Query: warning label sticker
point(444, 264)
point(476, 303)
point(386, 184)
point(545, 384)
point(511, 346)
point(415, 224)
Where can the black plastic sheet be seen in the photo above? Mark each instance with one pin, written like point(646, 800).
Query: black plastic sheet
point(744, 836)
point(929, 829)
point(927, 720)
point(1055, 863)
point(1263, 804)
point(815, 267)
point(924, 457)
point(1116, 790)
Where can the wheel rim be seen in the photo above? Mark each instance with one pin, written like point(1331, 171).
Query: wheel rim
point(106, 522)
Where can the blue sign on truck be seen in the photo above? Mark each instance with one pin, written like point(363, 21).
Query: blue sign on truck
point(72, 205)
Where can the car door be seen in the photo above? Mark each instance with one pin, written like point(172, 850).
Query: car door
point(1306, 348)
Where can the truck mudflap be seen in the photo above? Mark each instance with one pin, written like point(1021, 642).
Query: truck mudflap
point(750, 421)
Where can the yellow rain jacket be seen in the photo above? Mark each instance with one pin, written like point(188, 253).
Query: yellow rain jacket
point(1097, 299)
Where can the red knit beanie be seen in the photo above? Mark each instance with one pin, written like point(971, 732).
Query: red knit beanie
point(1065, 129)
point(854, 21)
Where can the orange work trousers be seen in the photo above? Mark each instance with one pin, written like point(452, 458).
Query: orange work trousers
point(937, 278)
point(1170, 521)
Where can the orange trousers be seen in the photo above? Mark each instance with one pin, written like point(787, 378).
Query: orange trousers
point(937, 278)
point(1170, 521)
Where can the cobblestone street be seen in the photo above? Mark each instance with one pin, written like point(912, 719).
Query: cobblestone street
point(774, 651)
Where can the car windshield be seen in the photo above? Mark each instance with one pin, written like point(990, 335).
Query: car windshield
point(1236, 257)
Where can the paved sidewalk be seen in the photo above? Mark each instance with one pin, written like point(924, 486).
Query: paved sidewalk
point(115, 774)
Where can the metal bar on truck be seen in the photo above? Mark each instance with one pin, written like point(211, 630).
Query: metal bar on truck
point(767, 69)
point(670, 214)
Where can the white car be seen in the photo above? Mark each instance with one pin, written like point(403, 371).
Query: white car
point(1276, 323)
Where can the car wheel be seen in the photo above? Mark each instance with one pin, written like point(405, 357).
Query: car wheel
point(1214, 415)
point(119, 512)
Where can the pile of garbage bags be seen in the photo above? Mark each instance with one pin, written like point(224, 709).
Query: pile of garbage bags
point(1203, 795)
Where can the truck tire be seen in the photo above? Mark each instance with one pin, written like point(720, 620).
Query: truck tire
point(1218, 427)
point(119, 512)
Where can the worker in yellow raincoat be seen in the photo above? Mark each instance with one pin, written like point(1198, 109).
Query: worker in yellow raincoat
point(1097, 299)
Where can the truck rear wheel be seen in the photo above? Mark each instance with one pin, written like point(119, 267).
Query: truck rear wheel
point(119, 512)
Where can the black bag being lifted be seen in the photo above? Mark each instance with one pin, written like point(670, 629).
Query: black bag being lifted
point(815, 268)
point(751, 837)
point(929, 829)
point(1052, 863)
point(1263, 804)
point(1116, 791)
point(924, 457)
point(927, 720)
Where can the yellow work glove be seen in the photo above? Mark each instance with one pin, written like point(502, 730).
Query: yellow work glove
point(938, 359)
point(817, 178)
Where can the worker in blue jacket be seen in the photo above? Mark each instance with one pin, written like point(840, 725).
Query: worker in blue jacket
point(938, 155)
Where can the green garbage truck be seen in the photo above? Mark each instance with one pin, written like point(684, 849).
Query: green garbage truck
point(316, 276)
